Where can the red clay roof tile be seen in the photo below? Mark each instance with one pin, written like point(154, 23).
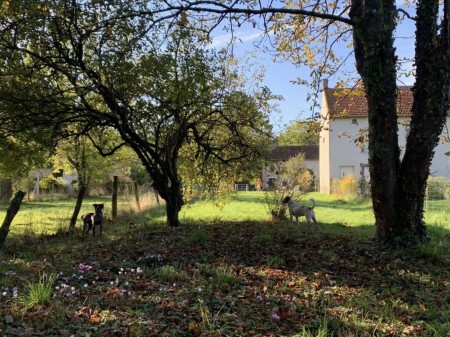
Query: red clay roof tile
point(347, 103)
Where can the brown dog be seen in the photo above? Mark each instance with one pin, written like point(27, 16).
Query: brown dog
point(92, 220)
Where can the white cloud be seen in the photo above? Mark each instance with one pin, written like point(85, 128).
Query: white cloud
point(240, 37)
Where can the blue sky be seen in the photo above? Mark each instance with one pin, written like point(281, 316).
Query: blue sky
point(278, 78)
point(280, 75)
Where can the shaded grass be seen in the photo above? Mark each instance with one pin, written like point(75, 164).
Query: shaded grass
point(294, 283)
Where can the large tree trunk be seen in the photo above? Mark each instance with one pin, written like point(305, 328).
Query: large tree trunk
point(174, 202)
point(169, 187)
point(398, 189)
point(376, 63)
point(10, 214)
point(429, 116)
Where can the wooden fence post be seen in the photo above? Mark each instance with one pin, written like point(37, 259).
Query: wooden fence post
point(114, 198)
point(136, 195)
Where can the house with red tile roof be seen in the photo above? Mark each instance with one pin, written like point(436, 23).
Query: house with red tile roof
point(281, 154)
point(343, 137)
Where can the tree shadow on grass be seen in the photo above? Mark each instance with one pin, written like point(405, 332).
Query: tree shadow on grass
point(281, 278)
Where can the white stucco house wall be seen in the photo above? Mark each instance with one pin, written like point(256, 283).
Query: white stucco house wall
point(280, 154)
point(66, 179)
point(343, 136)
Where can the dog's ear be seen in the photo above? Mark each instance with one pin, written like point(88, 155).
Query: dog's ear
point(95, 205)
point(101, 205)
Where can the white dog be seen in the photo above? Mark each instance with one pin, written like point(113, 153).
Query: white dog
point(298, 210)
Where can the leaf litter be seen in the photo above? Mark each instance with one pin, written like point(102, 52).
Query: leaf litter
point(233, 282)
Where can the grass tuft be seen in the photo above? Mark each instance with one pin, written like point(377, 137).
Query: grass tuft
point(38, 293)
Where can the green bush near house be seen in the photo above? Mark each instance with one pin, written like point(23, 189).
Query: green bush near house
point(438, 188)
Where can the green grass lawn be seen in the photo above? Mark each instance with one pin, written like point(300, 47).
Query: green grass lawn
point(51, 216)
point(227, 271)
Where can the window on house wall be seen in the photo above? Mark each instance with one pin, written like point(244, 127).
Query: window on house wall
point(345, 171)
point(271, 182)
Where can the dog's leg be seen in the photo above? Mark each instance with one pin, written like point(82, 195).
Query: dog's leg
point(84, 226)
point(315, 221)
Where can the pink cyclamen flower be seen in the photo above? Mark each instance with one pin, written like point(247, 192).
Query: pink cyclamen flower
point(276, 317)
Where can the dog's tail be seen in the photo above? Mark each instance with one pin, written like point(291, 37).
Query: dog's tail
point(313, 203)
point(82, 217)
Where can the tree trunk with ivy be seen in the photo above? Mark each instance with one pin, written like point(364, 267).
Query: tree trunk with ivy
point(398, 187)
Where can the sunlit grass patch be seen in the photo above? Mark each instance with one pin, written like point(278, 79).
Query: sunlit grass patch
point(224, 275)
point(168, 273)
point(212, 323)
point(37, 293)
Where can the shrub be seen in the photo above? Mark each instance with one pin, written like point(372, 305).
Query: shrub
point(348, 184)
point(50, 182)
point(438, 188)
point(363, 188)
point(169, 274)
point(277, 208)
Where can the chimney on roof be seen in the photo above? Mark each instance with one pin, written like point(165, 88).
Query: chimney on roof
point(325, 84)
